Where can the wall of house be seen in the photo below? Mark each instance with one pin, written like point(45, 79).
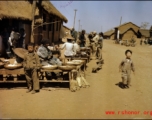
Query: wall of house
point(57, 28)
point(67, 30)
point(128, 35)
point(51, 31)
point(27, 27)
point(112, 36)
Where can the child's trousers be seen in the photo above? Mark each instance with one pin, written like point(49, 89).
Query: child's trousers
point(32, 79)
point(126, 77)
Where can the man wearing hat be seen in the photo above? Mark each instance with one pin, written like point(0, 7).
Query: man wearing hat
point(69, 47)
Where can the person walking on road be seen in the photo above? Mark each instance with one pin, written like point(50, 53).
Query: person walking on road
point(126, 66)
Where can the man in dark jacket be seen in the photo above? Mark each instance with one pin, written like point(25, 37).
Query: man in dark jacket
point(82, 38)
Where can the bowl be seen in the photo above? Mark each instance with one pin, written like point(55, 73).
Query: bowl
point(49, 67)
point(78, 61)
point(74, 63)
point(66, 67)
point(12, 66)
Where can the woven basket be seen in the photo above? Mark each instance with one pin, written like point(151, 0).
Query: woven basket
point(10, 67)
point(67, 67)
point(51, 67)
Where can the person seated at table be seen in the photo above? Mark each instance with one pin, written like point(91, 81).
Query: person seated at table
point(55, 61)
point(76, 47)
point(44, 53)
point(69, 47)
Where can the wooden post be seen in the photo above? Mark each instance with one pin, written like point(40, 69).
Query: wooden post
point(33, 15)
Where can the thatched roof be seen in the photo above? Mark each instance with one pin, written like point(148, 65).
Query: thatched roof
point(109, 33)
point(15, 9)
point(66, 27)
point(126, 24)
point(48, 6)
point(144, 32)
point(23, 10)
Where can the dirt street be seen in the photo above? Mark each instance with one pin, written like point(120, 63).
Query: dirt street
point(103, 99)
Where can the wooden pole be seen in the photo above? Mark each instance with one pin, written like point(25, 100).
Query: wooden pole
point(79, 26)
point(74, 18)
point(120, 20)
point(33, 15)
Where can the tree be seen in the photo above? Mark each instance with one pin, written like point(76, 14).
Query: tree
point(144, 25)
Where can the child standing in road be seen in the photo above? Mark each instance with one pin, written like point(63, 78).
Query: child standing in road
point(125, 67)
point(31, 65)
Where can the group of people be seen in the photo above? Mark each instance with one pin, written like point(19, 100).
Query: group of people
point(146, 41)
point(96, 43)
point(37, 56)
point(44, 54)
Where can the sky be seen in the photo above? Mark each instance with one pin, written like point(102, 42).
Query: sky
point(101, 16)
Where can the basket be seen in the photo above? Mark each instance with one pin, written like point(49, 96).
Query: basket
point(12, 66)
point(74, 63)
point(50, 67)
point(66, 67)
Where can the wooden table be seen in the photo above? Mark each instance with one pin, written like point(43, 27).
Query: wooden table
point(17, 72)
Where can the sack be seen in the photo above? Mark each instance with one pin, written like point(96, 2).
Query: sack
point(74, 85)
point(78, 79)
point(84, 82)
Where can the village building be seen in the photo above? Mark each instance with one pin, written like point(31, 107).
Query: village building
point(109, 34)
point(126, 31)
point(67, 29)
point(47, 20)
point(144, 33)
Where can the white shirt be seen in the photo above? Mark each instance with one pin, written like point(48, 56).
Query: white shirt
point(96, 38)
point(76, 48)
point(69, 49)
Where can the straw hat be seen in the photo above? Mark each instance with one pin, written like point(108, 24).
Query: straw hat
point(20, 52)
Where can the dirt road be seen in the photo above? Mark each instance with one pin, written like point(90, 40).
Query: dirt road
point(93, 102)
